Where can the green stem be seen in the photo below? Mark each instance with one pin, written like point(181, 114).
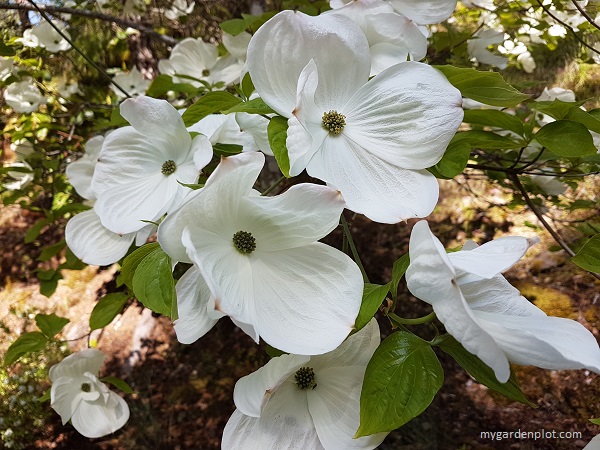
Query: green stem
point(418, 321)
point(353, 249)
point(273, 186)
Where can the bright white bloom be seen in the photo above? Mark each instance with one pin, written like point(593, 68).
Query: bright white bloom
point(256, 126)
point(22, 148)
point(392, 37)
point(261, 260)
point(527, 62)
point(6, 67)
point(425, 12)
point(556, 93)
point(237, 46)
point(371, 139)
point(302, 402)
point(66, 89)
point(133, 83)
point(200, 60)
point(140, 170)
point(87, 238)
point(223, 129)
point(79, 396)
point(24, 96)
point(44, 35)
point(178, 9)
point(489, 316)
point(477, 47)
point(485, 4)
point(21, 179)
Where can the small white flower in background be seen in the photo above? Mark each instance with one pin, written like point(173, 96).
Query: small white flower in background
point(261, 261)
point(133, 83)
point(486, 314)
point(24, 96)
point(178, 9)
point(370, 139)
point(87, 238)
point(28, 39)
point(478, 47)
point(527, 62)
point(200, 60)
point(48, 38)
point(223, 129)
point(556, 93)
point(21, 178)
point(305, 402)
point(141, 167)
point(392, 37)
point(237, 45)
point(66, 89)
point(22, 148)
point(550, 185)
point(6, 67)
point(79, 396)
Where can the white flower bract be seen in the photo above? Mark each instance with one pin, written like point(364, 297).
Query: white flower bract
point(486, 314)
point(275, 411)
point(77, 395)
point(261, 261)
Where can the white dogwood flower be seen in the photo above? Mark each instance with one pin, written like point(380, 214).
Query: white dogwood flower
point(489, 316)
point(198, 60)
point(392, 37)
point(305, 402)
point(79, 396)
point(261, 260)
point(23, 96)
point(81, 172)
point(425, 12)
point(478, 47)
point(178, 9)
point(223, 129)
point(133, 83)
point(141, 167)
point(370, 139)
point(44, 35)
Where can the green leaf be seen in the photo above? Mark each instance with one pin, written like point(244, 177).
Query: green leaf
point(588, 257)
point(373, 297)
point(455, 159)
point(5, 50)
point(494, 118)
point(400, 382)
point(566, 138)
point(486, 139)
point(51, 250)
point(72, 262)
point(277, 131)
point(26, 343)
point(583, 117)
point(50, 324)
point(164, 83)
point(45, 397)
point(35, 230)
point(485, 87)
point(107, 309)
point(233, 26)
point(133, 260)
point(398, 271)
point(227, 149)
point(210, 103)
point(595, 421)
point(556, 109)
point(153, 282)
point(481, 372)
point(118, 383)
point(247, 86)
point(254, 106)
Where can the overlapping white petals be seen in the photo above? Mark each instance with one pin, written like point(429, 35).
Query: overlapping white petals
point(129, 181)
point(487, 315)
point(275, 58)
point(425, 12)
point(477, 47)
point(81, 172)
point(79, 396)
point(23, 96)
point(133, 83)
point(299, 295)
point(224, 129)
point(274, 412)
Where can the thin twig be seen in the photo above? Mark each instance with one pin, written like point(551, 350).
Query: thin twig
point(273, 186)
point(515, 179)
point(586, 15)
point(93, 15)
point(77, 49)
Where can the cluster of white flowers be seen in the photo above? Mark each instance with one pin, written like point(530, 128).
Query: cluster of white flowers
point(366, 118)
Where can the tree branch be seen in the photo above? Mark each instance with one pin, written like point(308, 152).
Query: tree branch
point(93, 15)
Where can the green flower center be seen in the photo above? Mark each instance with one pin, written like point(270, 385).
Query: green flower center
point(305, 378)
point(205, 72)
point(334, 121)
point(86, 387)
point(244, 242)
point(168, 167)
